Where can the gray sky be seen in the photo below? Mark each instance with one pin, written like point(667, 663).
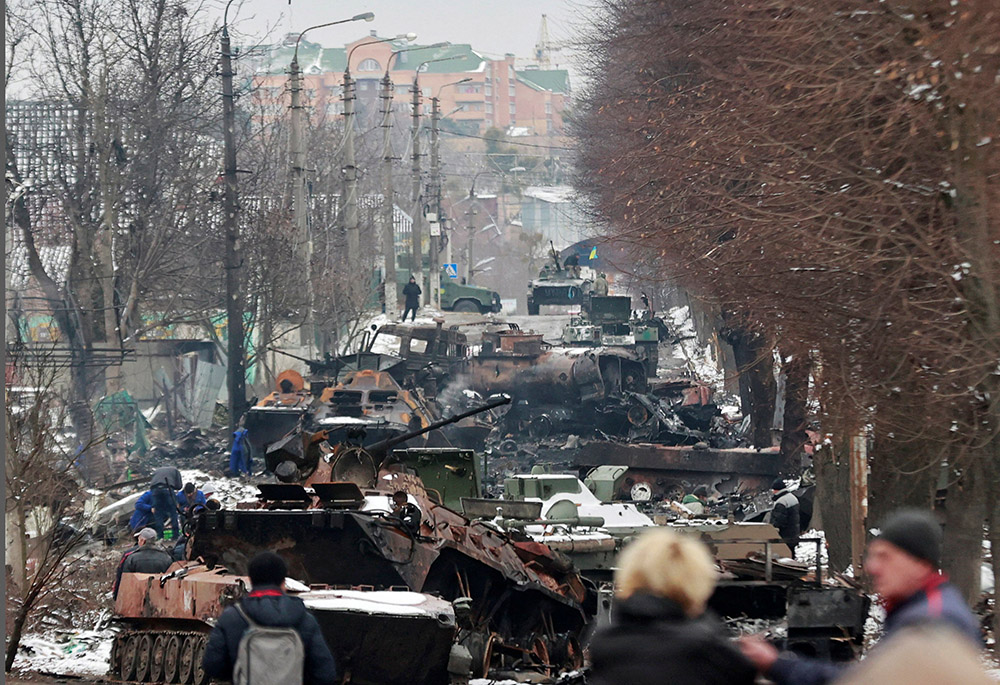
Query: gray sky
point(492, 27)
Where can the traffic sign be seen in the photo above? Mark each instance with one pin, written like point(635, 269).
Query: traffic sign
point(451, 270)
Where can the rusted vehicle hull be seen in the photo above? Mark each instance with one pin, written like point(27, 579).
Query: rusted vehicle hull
point(386, 638)
point(669, 471)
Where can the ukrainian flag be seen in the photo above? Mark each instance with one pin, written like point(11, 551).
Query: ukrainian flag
point(593, 253)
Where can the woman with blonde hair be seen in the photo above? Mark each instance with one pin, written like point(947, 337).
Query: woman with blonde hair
point(659, 630)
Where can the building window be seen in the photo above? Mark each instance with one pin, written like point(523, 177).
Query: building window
point(511, 92)
point(513, 108)
point(426, 92)
point(489, 91)
point(369, 65)
point(548, 108)
point(427, 109)
point(489, 107)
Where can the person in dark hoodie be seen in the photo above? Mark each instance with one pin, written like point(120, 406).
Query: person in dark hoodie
point(785, 514)
point(268, 605)
point(904, 564)
point(660, 632)
point(412, 292)
point(145, 557)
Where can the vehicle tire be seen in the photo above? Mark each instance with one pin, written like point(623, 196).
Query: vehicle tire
point(466, 307)
point(185, 665)
point(156, 659)
point(143, 658)
point(171, 658)
point(532, 308)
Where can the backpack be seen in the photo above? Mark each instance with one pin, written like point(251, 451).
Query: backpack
point(268, 655)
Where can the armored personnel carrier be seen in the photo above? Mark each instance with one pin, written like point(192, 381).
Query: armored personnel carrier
point(557, 285)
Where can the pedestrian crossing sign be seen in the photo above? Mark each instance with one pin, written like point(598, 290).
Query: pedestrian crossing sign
point(451, 270)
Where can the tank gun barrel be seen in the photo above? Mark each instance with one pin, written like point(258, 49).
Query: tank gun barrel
point(385, 445)
point(314, 364)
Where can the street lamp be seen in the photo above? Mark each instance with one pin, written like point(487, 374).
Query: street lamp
point(408, 37)
point(298, 163)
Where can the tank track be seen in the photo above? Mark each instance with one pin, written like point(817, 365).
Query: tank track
point(159, 656)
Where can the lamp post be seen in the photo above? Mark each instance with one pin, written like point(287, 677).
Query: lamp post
point(235, 372)
point(350, 169)
point(435, 230)
point(296, 144)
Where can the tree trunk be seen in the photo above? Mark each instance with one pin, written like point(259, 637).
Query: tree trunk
point(965, 511)
point(832, 503)
point(755, 362)
point(793, 433)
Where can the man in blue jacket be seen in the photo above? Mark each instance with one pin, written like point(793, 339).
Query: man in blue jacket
point(143, 514)
point(904, 564)
point(268, 605)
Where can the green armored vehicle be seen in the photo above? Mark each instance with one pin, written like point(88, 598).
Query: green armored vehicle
point(457, 296)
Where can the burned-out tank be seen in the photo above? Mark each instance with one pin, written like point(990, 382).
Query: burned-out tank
point(502, 603)
point(166, 618)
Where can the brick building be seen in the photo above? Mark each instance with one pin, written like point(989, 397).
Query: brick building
point(498, 94)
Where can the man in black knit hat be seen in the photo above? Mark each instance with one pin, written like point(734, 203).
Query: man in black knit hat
point(904, 564)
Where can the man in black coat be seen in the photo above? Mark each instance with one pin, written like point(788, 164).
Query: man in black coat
point(145, 557)
point(412, 292)
point(268, 605)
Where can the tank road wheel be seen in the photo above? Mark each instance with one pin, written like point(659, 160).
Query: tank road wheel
point(171, 657)
point(540, 654)
point(487, 657)
point(142, 658)
point(156, 659)
point(185, 665)
point(128, 657)
point(567, 654)
point(199, 656)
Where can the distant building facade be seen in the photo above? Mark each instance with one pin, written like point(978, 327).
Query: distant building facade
point(498, 95)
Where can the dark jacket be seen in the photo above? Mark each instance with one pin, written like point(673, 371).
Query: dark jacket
point(167, 476)
point(412, 292)
point(121, 569)
point(651, 640)
point(785, 515)
point(938, 602)
point(270, 607)
point(150, 558)
point(143, 514)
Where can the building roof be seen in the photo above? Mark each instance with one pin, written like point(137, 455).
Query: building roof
point(316, 59)
point(555, 194)
point(554, 80)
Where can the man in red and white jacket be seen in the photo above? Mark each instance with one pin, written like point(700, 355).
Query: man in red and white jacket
point(904, 563)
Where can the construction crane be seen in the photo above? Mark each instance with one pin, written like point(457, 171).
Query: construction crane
point(545, 47)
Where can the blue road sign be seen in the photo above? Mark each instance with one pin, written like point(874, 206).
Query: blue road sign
point(451, 270)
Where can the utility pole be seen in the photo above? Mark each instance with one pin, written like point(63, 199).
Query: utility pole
point(350, 177)
point(471, 213)
point(388, 230)
point(235, 372)
point(435, 256)
point(416, 232)
point(303, 241)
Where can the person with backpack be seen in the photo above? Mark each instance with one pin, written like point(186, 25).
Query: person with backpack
point(268, 637)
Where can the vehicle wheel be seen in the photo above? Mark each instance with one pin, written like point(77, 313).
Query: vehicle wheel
point(171, 657)
point(199, 677)
point(185, 665)
point(532, 308)
point(466, 307)
point(156, 659)
point(128, 657)
point(142, 658)
point(540, 654)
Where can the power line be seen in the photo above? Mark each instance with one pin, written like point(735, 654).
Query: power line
point(510, 142)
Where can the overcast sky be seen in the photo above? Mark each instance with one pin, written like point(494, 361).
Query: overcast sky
point(492, 27)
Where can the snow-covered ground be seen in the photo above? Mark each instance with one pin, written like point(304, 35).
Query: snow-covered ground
point(82, 652)
point(698, 359)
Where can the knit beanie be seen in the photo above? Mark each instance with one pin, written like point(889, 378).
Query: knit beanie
point(916, 532)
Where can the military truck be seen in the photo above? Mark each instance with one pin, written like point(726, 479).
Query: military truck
point(457, 296)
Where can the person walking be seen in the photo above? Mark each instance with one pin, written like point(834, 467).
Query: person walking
point(660, 631)
point(412, 293)
point(165, 483)
point(904, 564)
point(785, 514)
point(229, 657)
